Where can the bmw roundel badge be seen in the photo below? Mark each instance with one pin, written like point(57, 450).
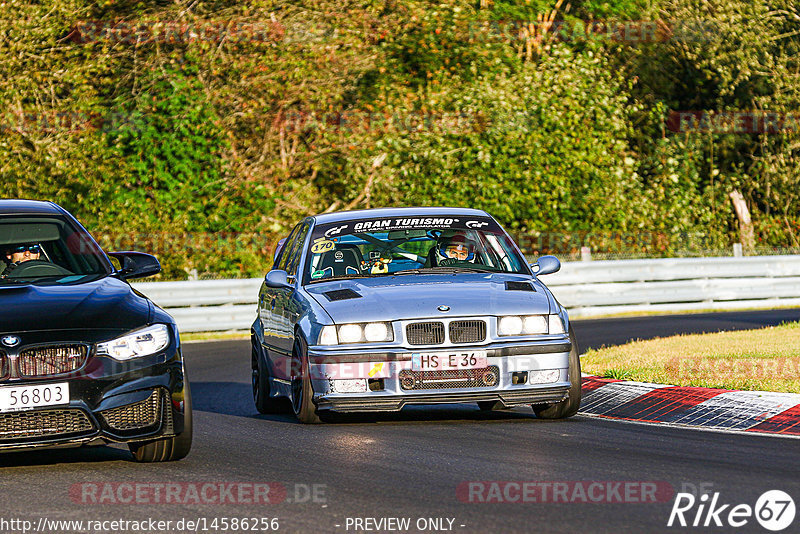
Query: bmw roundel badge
point(10, 341)
point(443, 308)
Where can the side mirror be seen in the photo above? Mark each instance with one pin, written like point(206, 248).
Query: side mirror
point(546, 265)
point(135, 265)
point(278, 249)
point(277, 278)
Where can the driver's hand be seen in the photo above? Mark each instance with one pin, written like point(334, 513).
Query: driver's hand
point(447, 262)
point(9, 269)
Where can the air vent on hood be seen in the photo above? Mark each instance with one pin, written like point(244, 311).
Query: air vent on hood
point(341, 294)
point(519, 286)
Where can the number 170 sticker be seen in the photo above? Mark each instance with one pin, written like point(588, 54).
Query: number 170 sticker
point(322, 246)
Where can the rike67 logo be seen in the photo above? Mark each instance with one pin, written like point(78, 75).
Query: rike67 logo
point(774, 510)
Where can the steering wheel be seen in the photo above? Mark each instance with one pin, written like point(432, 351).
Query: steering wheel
point(37, 268)
point(449, 262)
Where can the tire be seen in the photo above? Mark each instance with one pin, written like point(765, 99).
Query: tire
point(302, 391)
point(569, 406)
point(265, 404)
point(169, 449)
point(489, 406)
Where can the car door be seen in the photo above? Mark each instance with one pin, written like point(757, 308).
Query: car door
point(286, 309)
point(268, 302)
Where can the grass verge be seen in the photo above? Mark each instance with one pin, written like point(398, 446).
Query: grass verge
point(767, 359)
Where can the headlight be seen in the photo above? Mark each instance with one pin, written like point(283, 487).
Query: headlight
point(510, 325)
point(140, 343)
point(356, 333)
point(328, 336)
point(535, 324)
point(556, 325)
point(351, 333)
point(529, 325)
point(376, 332)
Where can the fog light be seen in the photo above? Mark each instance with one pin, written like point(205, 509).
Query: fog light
point(544, 377)
point(376, 384)
point(349, 386)
point(520, 377)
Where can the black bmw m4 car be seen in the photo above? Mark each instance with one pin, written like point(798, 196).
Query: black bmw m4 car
point(84, 358)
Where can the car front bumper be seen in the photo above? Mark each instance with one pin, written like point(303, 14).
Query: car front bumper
point(522, 374)
point(110, 401)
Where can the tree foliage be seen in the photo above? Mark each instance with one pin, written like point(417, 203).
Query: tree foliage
point(203, 130)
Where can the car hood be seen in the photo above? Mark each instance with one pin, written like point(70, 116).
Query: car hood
point(419, 296)
point(107, 303)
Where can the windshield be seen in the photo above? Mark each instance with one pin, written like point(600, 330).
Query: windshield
point(391, 246)
point(47, 250)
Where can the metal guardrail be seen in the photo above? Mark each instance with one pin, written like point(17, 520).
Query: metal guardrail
point(206, 305)
point(586, 289)
point(677, 284)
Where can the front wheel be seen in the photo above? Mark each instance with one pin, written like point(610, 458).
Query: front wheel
point(302, 391)
point(169, 449)
point(569, 406)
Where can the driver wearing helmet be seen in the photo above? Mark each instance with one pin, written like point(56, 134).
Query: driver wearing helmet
point(16, 255)
point(457, 248)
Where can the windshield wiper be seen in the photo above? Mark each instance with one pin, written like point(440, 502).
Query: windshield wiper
point(451, 269)
point(404, 271)
point(424, 270)
point(444, 269)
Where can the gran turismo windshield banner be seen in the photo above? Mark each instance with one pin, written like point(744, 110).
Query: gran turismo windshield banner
point(406, 223)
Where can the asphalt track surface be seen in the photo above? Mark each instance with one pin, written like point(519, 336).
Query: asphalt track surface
point(410, 464)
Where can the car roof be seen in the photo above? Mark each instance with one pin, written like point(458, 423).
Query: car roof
point(13, 206)
point(377, 213)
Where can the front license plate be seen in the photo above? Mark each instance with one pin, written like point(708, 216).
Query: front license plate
point(13, 399)
point(447, 361)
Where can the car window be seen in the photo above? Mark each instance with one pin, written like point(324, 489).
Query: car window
point(47, 250)
point(387, 246)
point(286, 251)
point(297, 251)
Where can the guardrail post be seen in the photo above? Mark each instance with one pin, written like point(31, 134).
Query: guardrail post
point(586, 254)
point(737, 250)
